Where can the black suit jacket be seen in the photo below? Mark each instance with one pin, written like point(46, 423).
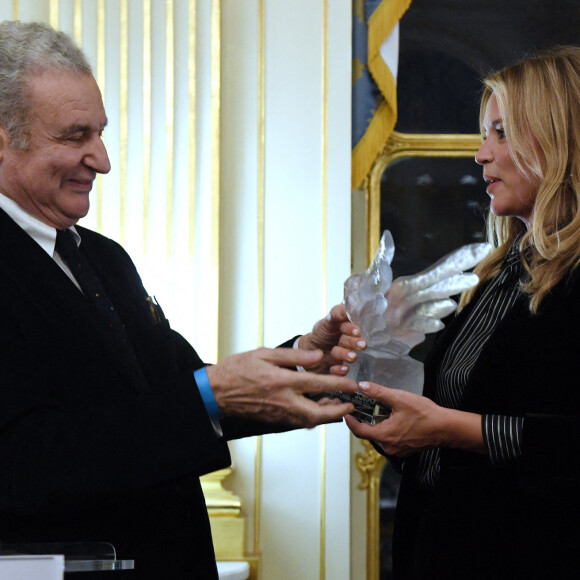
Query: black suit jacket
point(97, 443)
point(515, 521)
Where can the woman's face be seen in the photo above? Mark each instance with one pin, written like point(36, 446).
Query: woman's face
point(512, 193)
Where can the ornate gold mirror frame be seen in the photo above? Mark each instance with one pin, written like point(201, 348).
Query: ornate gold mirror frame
point(370, 463)
point(408, 145)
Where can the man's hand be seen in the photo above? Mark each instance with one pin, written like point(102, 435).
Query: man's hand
point(417, 423)
point(337, 338)
point(256, 385)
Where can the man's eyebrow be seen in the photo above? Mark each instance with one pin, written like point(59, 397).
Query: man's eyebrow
point(80, 128)
point(77, 128)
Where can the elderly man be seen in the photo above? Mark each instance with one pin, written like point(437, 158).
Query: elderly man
point(107, 416)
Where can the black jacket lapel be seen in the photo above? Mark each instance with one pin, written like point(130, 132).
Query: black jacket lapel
point(43, 284)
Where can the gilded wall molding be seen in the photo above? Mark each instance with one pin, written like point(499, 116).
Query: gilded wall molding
point(370, 465)
point(227, 523)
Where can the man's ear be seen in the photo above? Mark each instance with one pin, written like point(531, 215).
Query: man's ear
point(4, 141)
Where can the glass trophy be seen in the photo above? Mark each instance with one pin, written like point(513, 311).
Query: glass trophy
point(395, 315)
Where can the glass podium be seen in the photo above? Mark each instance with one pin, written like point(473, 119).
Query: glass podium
point(78, 556)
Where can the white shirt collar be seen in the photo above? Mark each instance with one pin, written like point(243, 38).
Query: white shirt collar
point(43, 234)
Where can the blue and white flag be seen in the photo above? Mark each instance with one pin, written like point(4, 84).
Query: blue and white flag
point(375, 47)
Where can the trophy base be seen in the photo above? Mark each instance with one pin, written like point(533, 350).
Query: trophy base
point(366, 410)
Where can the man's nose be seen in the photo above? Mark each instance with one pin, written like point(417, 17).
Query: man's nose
point(97, 157)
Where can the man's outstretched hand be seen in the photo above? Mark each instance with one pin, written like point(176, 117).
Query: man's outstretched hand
point(262, 385)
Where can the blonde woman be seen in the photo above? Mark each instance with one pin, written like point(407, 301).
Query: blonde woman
point(489, 454)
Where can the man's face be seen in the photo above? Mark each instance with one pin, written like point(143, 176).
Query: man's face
point(53, 176)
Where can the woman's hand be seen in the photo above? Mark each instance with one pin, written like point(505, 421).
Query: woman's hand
point(417, 423)
point(338, 338)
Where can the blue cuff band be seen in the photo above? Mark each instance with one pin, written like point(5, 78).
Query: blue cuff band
point(200, 376)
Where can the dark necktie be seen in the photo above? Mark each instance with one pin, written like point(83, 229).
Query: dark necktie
point(89, 282)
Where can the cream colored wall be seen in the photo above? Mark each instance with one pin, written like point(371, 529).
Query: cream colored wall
point(286, 104)
point(255, 238)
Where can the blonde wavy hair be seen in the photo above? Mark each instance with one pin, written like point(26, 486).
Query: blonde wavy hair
point(539, 103)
